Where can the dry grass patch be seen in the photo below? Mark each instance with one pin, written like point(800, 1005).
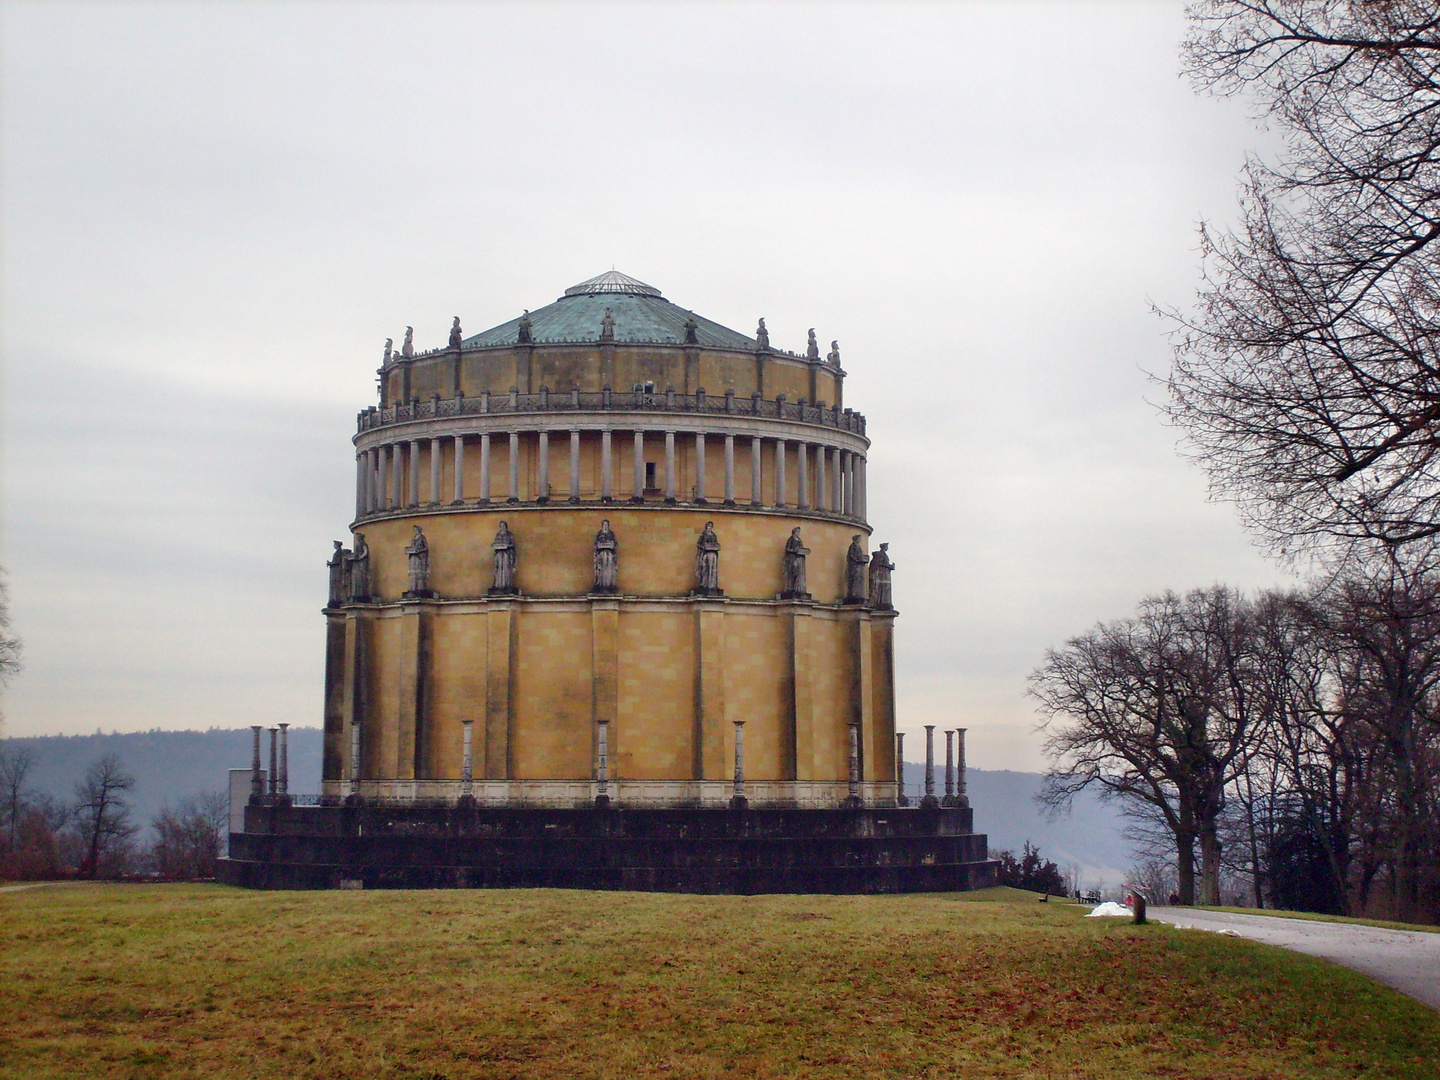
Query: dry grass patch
point(196, 981)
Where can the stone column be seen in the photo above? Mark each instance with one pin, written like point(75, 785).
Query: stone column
point(257, 785)
point(837, 506)
point(382, 478)
point(485, 467)
point(467, 758)
point(360, 462)
point(949, 799)
point(543, 495)
point(861, 511)
point(372, 485)
point(854, 799)
point(354, 756)
point(961, 798)
point(574, 466)
point(397, 479)
point(729, 470)
point(900, 799)
point(699, 466)
point(849, 484)
point(929, 799)
point(639, 493)
point(669, 466)
point(802, 477)
point(754, 470)
point(820, 490)
point(779, 472)
point(274, 764)
point(459, 477)
point(602, 763)
point(514, 495)
point(284, 782)
point(737, 796)
point(434, 472)
point(414, 499)
point(606, 493)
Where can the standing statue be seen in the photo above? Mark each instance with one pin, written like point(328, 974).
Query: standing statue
point(855, 560)
point(455, 334)
point(337, 574)
point(607, 560)
point(419, 552)
point(389, 352)
point(794, 567)
point(407, 349)
point(833, 356)
point(607, 327)
point(357, 572)
point(504, 546)
point(762, 336)
point(812, 347)
point(692, 330)
point(707, 562)
point(880, 567)
point(525, 332)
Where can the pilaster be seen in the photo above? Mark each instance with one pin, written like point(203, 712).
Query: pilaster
point(605, 674)
point(499, 677)
point(333, 755)
point(414, 677)
point(709, 737)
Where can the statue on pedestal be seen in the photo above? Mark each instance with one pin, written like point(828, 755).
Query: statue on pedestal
point(389, 352)
point(794, 567)
point(812, 347)
point(607, 327)
point(833, 356)
point(504, 547)
point(880, 567)
point(607, 561)
point(692, 331)
point(337, 574)
point(407, 349)
point(419, 553)
point(707, 562)
point(455, 334)
point(762, 336)
point(357, 572)
point(525, 333)
point(855, 560)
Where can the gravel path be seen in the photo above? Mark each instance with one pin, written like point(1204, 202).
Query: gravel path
point(1408, 960)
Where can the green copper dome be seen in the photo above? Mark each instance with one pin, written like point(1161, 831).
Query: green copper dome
point(640, 314)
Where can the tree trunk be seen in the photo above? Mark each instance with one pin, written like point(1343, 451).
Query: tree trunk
point(1209, 864)
point(1185, 864)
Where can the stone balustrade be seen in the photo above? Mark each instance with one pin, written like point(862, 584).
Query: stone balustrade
point(665, 401)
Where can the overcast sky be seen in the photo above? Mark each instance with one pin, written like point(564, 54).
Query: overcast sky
point(214, 214)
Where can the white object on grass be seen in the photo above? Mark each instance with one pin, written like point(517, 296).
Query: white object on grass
point(1110, 908)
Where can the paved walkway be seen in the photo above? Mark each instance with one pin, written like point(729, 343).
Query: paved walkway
point(1408, 960)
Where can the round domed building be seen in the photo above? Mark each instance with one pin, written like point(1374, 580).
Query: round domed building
point(611, 582)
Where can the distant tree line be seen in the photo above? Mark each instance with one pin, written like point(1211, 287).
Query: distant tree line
point(92, 835)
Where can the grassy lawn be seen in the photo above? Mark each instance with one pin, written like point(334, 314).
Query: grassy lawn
point(203, 981)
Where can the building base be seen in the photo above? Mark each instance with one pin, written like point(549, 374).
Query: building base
point(696, 850)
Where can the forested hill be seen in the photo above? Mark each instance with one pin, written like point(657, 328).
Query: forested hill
point(169, 766)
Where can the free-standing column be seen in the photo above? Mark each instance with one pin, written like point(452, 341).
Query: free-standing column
point(257, 784)
point(929, 799)
point(544, 493)
point(802, 478)
point(854, 764)
point(699, 466)
point(949, 767)
point(961, 798)
point(900, 799)
point(754, 470)
point(779, 472)
point(729, 470)
point(397, 480)
point(414, 499)
point(372, 483)
point(434, 472)
point(838, 505)
point(737, 797)
point(359, 483)
point(605, 492)
point(467, 758)
point(574, 466)
point(602, 762)
point(284, 784)
point(860, 508)
point(354, 756)
point(849, 484)
point(274, 763)
point(820, 489)
point(485, 468)
point(514, 495)
point(460, 468)
point(669, 466)
point(382, 477)
point(639, 493)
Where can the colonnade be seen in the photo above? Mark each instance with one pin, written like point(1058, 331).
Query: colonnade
point(828, 479)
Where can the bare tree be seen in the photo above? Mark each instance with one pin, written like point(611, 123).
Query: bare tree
point(1308, 380)
point(102, 810)
point(10, 646)
point(1156, 711)
point(188, 838)
point(14, 768)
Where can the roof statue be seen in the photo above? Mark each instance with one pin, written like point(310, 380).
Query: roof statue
point(833, 357)
point(812, 347)
point(455, 333)
point(762, 336)
point(692, 329)
point(525, 330)
point(607, 326)
point(407, 349)
point(389, 352)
